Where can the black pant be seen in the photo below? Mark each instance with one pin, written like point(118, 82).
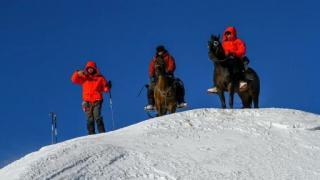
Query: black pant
point(93, 112)
point(236, 69)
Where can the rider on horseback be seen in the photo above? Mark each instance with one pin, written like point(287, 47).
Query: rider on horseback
point(170, 68)
point(235, 50)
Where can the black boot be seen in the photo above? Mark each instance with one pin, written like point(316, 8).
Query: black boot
point(90, 126)
point(100, 125)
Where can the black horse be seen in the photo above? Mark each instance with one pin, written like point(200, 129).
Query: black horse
point(224, 80)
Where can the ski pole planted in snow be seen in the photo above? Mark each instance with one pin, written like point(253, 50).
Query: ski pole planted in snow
point(111, 108)
point(54, 130)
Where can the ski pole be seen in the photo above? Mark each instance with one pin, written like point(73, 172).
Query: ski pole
point(55, 129)
point(52, 127)
point(111, 109)
point(144, 86)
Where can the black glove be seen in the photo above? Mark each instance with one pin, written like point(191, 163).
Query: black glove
point(109, 84)
point(231, 56)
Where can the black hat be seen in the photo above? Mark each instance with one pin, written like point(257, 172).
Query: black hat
point(160, 48)
point(227, 33)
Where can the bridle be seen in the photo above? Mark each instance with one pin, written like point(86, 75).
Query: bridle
point(217, 46)
point(160, 66)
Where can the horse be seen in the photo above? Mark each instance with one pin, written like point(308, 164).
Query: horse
point(164, 93)
point(224, 82)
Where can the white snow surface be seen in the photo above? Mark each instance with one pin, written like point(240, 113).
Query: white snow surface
point(197, 144)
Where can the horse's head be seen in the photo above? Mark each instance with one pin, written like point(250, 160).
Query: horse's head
point(215, 47)
point(160, 66)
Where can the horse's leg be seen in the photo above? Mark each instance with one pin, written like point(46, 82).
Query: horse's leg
point(247, 102)
point(231, 99)
point(172, 108)
point(231, 95)
point(161, 110)
point(245, 99)
point(222, 99)
point(256, 101)
point(158, 106)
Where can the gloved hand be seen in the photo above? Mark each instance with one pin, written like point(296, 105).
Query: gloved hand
point(231, 56)
point(109, 84)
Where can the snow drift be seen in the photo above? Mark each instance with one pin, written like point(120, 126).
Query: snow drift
point(196, 144)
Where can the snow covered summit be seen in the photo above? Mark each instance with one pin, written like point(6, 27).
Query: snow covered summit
point(196, 144)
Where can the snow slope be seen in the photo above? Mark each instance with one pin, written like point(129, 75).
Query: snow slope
point(196, 144)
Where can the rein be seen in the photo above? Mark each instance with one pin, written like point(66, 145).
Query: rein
point(218, 60)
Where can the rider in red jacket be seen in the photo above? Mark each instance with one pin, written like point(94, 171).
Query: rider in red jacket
point(232, 45)
point(170, 62)
point(234, 49)
point(170, 68)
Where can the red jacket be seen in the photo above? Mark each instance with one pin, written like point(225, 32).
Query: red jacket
point(92, 85)
point(234, 45)
point(170, 64)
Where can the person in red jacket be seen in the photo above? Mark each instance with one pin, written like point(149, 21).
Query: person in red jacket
point(170, 68)
point(93, 86)
point(235, 50)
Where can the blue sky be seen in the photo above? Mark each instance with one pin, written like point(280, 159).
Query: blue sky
point(43, 42)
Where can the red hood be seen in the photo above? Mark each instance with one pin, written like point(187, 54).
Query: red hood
point(93, 65)
point(233, 32)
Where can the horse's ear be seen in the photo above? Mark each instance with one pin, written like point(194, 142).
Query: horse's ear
point(212, 37)
point(218, 36)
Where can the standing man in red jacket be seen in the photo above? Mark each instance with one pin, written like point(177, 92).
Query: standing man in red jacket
point(235, 50)
point(93, 86)
point(170, 68)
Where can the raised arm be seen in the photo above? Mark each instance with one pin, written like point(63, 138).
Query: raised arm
point(78, 77)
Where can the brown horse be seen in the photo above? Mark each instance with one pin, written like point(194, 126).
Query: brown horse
point(224, 81)
point(164, 93)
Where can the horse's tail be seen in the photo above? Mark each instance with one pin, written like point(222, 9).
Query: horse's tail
point(254, 80)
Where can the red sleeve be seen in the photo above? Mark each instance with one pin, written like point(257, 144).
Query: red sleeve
point(151, 68)
point(241, 50)
point(77, 79)
point(105, 85)
point(171, 65)
point(225, 48)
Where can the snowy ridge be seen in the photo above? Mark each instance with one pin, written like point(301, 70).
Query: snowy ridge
point(196, 144)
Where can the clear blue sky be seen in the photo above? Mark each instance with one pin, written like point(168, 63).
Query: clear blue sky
point(43, 42)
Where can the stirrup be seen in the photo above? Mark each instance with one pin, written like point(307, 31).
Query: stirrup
point(213, 90)
point(182, 105)
point(149, 107)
